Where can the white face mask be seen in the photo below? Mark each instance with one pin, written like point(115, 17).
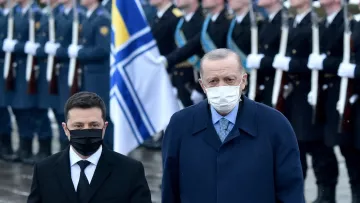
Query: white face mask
point(224, 98)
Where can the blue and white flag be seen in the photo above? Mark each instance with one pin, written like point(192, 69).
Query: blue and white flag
point(141, 96)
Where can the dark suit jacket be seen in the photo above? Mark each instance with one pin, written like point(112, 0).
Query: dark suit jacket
point(258, 162)
point(117, 178)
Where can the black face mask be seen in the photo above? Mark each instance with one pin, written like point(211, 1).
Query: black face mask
point(87, 141)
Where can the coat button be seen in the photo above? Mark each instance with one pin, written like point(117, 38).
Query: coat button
point(181, 73)
point(266, 46)
point(328, 53)
point(175, 72)
point(294, 51)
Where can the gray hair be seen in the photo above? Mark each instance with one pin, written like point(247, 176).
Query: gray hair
point(219, 54)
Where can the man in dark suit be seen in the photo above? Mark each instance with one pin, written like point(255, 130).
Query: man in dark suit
point(233, 150)
point(87, 171)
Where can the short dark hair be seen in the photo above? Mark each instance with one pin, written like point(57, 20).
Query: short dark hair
point(85, 100)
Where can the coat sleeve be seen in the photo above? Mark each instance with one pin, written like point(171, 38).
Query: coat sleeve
point(266, 64)
point(357, 72)
point(170, 191)
point(289, 182)
point(192, 47)
point(141, 192)
point(331, 64)
point(34, 196)
point(299, 65)
point(101, 48)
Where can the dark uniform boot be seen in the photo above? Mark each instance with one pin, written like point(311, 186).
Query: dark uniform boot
point(355, 194)
point(326, 194)
point(25, 155)
point(44, 150)
point(6, 150)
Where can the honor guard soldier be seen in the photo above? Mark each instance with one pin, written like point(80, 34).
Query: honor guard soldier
point(309, 130)
point(45, 99)
point(6, 151)
point(58, 49)
point(332, 53)
point(352, 148)
point(269, 41)
point(212, 36)
point(185, 75)
point(24, 71)
point(93, 54)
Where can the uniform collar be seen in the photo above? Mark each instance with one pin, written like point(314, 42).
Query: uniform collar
point(240, 18)
point(161, 12)
point(25, 9)
point(215, 17)
point(301, 16)
point(189, 16)
point(272, 15)
point(330, 18)
point(67, 10)
point(94, 158)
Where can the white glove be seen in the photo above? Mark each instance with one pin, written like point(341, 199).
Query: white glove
point(254, 60)
point(51, 48)
point(31, 47)
point(310, 98)
point(196, 97)
point(346, 70)
point(175, 91)
point(281, 62)
point(9, 45)
point(315, 61)
point(162, 60)
point(73, 50)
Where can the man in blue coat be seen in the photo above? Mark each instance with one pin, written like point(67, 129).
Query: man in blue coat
point(233, 149)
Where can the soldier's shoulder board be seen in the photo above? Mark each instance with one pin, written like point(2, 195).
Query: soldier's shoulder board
point(177, 12)
point(356, 17)
point(103, 12)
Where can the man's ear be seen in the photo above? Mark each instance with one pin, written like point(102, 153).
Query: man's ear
point(244, 81)
point(104, 129)
point(66, 130)
point(202, 85)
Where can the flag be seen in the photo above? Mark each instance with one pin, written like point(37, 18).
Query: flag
point(141, 96)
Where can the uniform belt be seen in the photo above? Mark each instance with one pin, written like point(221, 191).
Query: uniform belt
point(329, 75)
point(184, 64)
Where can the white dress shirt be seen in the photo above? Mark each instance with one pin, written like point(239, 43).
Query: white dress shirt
point(89, 12)
point(330, 18)
point(240, 18)
point(272, 15)
point(89, 171)
point(214, 17)
point(189, 16)
point(25, 9)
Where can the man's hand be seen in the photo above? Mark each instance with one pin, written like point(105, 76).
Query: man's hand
point(281, 62)
point(73, 50)
point(315, 61)
point(346, 70)
point(51, 48)
point(9, 45)
point(254, 60)
point(31, 47)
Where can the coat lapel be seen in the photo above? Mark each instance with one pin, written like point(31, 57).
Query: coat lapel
point(102, 172)
point(63, 174)
point(245, 123)
point(203, 126)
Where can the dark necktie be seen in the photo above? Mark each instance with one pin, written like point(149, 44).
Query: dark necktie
point(83, 185)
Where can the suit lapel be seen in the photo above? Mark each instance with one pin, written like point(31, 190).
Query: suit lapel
point(102, 172)
point(63, 174)
point(203, 126)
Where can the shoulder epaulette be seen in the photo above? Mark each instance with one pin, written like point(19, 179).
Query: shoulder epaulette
point(177, 12)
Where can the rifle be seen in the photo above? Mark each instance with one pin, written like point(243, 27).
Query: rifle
point(314, 73)
point(254, 50)
point(51, 75)
point(74, 68)
point(30, 61)
point(343, 105)
point(277, 97)
point(8, 64)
